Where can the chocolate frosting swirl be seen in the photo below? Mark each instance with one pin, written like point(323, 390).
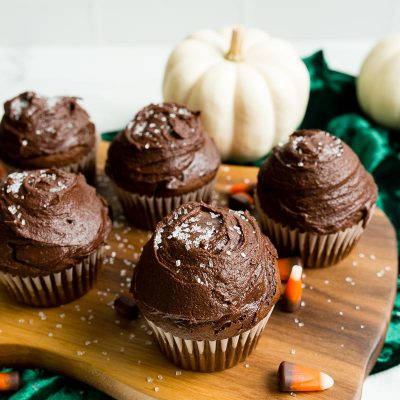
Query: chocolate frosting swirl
point(42, 132)
point(206, 273)
point(163, 151)
point(49, 220)
point(315, 182)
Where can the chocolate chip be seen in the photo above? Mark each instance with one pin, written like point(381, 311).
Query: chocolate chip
point(126, 307)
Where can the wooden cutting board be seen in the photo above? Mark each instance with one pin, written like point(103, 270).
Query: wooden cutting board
point(340, 329)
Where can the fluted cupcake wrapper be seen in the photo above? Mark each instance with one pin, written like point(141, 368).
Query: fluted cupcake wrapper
point(315, 250)
point(57, 288)
point(86, 166)
point(208, 355)
point(146, 211)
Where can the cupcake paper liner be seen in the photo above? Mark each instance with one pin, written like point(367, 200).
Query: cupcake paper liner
point(57, 288)
point(145, 211)
point(315, 250)
point(86, 166)
point(208, 355)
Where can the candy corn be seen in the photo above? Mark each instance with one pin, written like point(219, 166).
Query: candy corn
point(285, 266)
point(240, 201)
point(298, 378)
point(241, 187)
point(9, 381)
point(292, 295)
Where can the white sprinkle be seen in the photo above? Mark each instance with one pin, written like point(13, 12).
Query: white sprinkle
point(80, 353)
point(156, 389)
point(17, 105)
point(52, 101)
point(12, 209)
point(178, 373)
point(24, 142)
point(50, 129)
point(149, 379)
point(178, 263)
point(243, 255)
point(17, 178)
point(146, 146)
point(300, 164)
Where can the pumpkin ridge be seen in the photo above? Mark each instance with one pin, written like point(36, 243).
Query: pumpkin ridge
point(234, 109)
point(369, 89)
point(195, 84)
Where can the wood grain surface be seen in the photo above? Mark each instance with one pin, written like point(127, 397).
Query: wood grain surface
point(339, 329)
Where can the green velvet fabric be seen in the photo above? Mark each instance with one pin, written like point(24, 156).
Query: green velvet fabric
point(333, 106)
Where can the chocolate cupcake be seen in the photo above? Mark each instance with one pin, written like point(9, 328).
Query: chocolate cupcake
point(314, 197)
point(53, 227)
point(207, 282)
point(162, 159)
point(41, 132)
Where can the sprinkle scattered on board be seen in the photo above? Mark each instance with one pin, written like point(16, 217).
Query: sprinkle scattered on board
point(299, 378)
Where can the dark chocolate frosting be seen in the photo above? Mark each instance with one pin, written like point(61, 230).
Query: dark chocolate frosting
point(315, 182)
point(42, 132)
point(207, 273)
point(163, 151)
point(49, 220)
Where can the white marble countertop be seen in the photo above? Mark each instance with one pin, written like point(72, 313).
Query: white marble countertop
point(116, 81)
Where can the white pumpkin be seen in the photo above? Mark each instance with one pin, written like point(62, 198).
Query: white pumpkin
point(252, 90)
point(378, 85)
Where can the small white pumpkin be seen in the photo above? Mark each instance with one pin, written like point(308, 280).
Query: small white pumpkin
point(378, 85)
point(252, 90)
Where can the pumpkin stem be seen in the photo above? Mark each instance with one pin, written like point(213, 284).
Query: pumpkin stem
point(235, 51)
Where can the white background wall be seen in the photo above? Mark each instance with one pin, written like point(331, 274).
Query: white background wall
point(110, 22)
